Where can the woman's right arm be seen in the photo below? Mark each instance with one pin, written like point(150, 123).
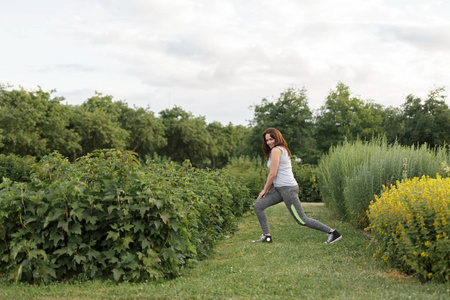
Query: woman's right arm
point(275, 156)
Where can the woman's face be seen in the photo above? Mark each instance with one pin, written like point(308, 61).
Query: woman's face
point(270, 141)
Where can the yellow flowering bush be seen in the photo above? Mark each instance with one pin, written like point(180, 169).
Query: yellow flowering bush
point(411, 223)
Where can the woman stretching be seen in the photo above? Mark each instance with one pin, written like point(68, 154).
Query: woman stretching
point(285, 188)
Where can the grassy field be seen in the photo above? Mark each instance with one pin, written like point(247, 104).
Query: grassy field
point(298, 265)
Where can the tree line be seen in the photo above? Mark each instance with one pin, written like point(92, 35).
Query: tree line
point(36, 123)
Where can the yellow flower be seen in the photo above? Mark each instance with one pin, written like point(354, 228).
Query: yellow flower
point(405, 215)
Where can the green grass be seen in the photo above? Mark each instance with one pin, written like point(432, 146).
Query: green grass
point(298, 265)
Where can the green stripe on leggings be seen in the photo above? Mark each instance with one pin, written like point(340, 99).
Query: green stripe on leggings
point(296, 214)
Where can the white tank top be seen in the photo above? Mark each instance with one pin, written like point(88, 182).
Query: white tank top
point(285, 177)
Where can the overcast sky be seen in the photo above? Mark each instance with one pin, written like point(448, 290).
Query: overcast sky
point(216, 58)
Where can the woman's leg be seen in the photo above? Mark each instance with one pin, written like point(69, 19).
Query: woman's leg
point(272, 198)
point(290, 198)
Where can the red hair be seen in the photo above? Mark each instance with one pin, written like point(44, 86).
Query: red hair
point(279, 141)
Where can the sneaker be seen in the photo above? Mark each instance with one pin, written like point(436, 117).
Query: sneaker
point(264, 239)
point(333, 237)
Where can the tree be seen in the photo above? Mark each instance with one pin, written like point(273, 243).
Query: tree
point(146, 132)
point(343, 117)
point(33, 123)
point(392, 123)
point(187, 137)
point(291, 115)
point(97, 122)
point(1, 138)
point(425, 121)
point(226, 140)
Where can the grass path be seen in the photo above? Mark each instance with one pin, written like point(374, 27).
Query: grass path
point(298, 265)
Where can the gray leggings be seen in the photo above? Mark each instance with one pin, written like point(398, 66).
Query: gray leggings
point(288, 194)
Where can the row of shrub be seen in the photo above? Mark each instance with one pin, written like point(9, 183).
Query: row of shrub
point(352, 173)
point(108, 215)
point(252, 170)
point(411, 223)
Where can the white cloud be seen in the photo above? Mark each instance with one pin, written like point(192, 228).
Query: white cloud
point(216, 58)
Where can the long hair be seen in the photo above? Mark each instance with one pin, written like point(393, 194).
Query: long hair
point(279, 141)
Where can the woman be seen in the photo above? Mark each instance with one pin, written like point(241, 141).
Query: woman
point(285, 188)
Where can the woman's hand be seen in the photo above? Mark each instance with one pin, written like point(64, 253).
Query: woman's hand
point(262, 194)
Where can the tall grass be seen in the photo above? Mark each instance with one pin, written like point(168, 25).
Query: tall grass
point(335, 168)
point(353, 173)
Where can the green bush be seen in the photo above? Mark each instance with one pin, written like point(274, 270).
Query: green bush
point(106, 215)
point(306, 176)
point(251, 173)
point(411, 222)
point(15, 167)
